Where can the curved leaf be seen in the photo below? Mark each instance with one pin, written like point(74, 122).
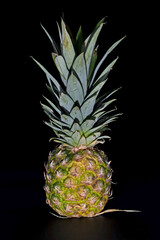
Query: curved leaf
point(49, 76)
point(91, 46)
point(96, 89)
point(107, 69)
point(54, 44)
point(104, 57)
point(50, 124)
point(53, 105)
point(104, 105)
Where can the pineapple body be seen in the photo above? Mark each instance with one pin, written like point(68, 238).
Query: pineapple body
point(77, 183)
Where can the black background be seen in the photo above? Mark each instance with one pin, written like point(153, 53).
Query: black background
point(133, 147)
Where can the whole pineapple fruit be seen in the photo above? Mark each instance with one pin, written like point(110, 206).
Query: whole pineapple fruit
point(78, 174)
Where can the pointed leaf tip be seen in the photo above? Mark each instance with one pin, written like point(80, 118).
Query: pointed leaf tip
point(67, 46)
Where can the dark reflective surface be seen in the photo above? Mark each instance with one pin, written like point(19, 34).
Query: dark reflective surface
point(102, 227)
point(40, 225)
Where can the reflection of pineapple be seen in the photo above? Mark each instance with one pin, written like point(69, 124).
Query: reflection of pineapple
point(78, 174)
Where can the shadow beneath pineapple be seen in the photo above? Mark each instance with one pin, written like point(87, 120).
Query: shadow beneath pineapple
point(115, 226)
point(111, 226)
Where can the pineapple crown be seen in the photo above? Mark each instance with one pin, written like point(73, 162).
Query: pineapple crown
point(77, 115)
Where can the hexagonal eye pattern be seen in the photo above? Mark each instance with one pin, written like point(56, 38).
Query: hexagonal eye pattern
point(99, 186)
point(83, 191)
point(70, 195)
point(101, 172)
point(76, 169)
point(69, 182)
point(93, 198)
point(61, 172)
point(55, 200)
point(57, 187)
point(90, 164)
point(52, 164)
point(49, 176)
point(87, 178)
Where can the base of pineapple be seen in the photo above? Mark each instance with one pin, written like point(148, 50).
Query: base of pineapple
point(78, 182)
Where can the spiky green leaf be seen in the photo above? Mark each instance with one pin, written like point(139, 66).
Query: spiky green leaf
point(91, 46)
point(104, 97)
point(67, 46)
point(54, 44)
point(69, 141)
point(50, 124)
point(76, 127)
point(107, 69)
point(96, 89)
point(87, 125)
point(48, 75)
point(53, 92)
point(93, 62)
point(79, 67)
point(49, 112)
point(76, 114)
point(74, 89)
point(63, 141)
point(95, 129)
point(60, 33)
point(67, 119)
point(53, 106)
point(76, 136)
point(87, 107)
point(79, 40)
point(104, 57)
point(104, 105)
point(66, 102)
point(82, 141)
point(61, 66)
point(90, 139)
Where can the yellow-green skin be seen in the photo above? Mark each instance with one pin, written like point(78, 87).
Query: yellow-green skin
point(77, 183)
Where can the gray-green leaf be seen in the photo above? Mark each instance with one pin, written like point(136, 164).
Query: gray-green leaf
point(48, 75)
point(87, 125)
point(67, 119)
point(76, 114)
point(67, 46)
point(104, 57)
point(107, 69)
point(88, 106)
point(74, 89)
point(54, 44)
point(61, 66)
point(53, 105)
point(80, 68)
point(91, 45)
point(66, 102)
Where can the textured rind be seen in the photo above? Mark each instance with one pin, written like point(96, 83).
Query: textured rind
point(77, 183)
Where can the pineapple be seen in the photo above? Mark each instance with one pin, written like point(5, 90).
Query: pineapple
point(78, 174)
